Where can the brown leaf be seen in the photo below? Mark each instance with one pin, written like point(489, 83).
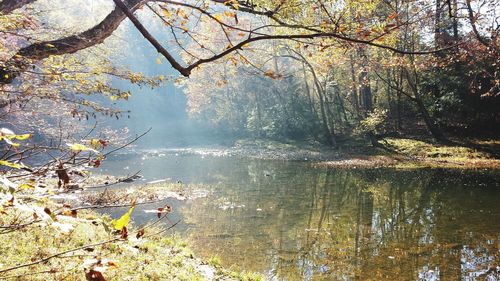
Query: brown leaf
point(49, 212)
point(124, 233)
point(103, 143)
point(63, 176)
point(69, 213)
point(140, 233)
point(93, 275)
point(166, 209)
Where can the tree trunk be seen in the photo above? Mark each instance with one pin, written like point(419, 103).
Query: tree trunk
point(431, 124)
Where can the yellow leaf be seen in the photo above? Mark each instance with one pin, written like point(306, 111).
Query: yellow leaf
point(182, 14)
point(166, 13)
point(50, 45)
point(218, 18)
point(8, 140)
point(23, 137)
point(158, 61)
point(95, 143)
point(26, 186)
point(80, 147)
point(12, 165)
point(124, 220)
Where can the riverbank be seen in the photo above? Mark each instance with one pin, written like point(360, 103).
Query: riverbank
point(393, 153)
point(47, 240)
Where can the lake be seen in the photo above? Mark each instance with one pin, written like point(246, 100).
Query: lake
point(291, 220)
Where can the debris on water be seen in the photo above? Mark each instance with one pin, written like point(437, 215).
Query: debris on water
point(64, 196)
point(200, 193)
point(157, 181)
point(230, 205)
point(131, 179)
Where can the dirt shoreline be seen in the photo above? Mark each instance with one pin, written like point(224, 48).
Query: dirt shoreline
point(409, 154)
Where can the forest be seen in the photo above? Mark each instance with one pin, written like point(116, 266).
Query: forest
point(164, 129)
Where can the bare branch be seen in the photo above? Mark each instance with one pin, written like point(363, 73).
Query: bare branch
point(8, 6)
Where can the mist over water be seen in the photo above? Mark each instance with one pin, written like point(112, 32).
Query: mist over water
point(162, 108)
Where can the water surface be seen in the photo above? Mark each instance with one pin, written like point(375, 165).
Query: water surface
point(292, 221)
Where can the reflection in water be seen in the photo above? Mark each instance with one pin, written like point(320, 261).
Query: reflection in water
point(294, 222)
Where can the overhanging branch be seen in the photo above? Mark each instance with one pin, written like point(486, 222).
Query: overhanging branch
point(8, 6)
point(71, 44)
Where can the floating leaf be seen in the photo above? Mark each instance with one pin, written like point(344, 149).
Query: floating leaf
point(164, 210)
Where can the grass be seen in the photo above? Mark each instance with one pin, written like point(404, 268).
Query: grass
point(470, 154)
point(423, 149)
point(151, 257)
point(398, 153)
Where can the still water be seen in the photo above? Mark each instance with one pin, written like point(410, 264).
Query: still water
point(294, 221)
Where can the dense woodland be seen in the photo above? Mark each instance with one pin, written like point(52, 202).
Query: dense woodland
point(328, 90)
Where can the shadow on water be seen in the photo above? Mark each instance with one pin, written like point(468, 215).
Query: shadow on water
point(291, 221)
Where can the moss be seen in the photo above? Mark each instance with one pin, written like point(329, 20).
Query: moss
point(247, 276)
point(214, 261)
point(429, 154)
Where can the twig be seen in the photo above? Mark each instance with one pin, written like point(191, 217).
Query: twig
point(115, 205)
point(32, 273)
point(58, 254)
point(129, 143)
point(113, 183)
point(163, 230)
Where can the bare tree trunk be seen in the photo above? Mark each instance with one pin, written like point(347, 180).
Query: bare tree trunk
point(431, 124)
point(354, 92)
point(308, 91)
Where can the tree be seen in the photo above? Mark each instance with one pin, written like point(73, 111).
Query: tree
point(273, 11)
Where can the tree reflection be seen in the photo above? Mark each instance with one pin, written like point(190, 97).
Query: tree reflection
point(351, 225)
